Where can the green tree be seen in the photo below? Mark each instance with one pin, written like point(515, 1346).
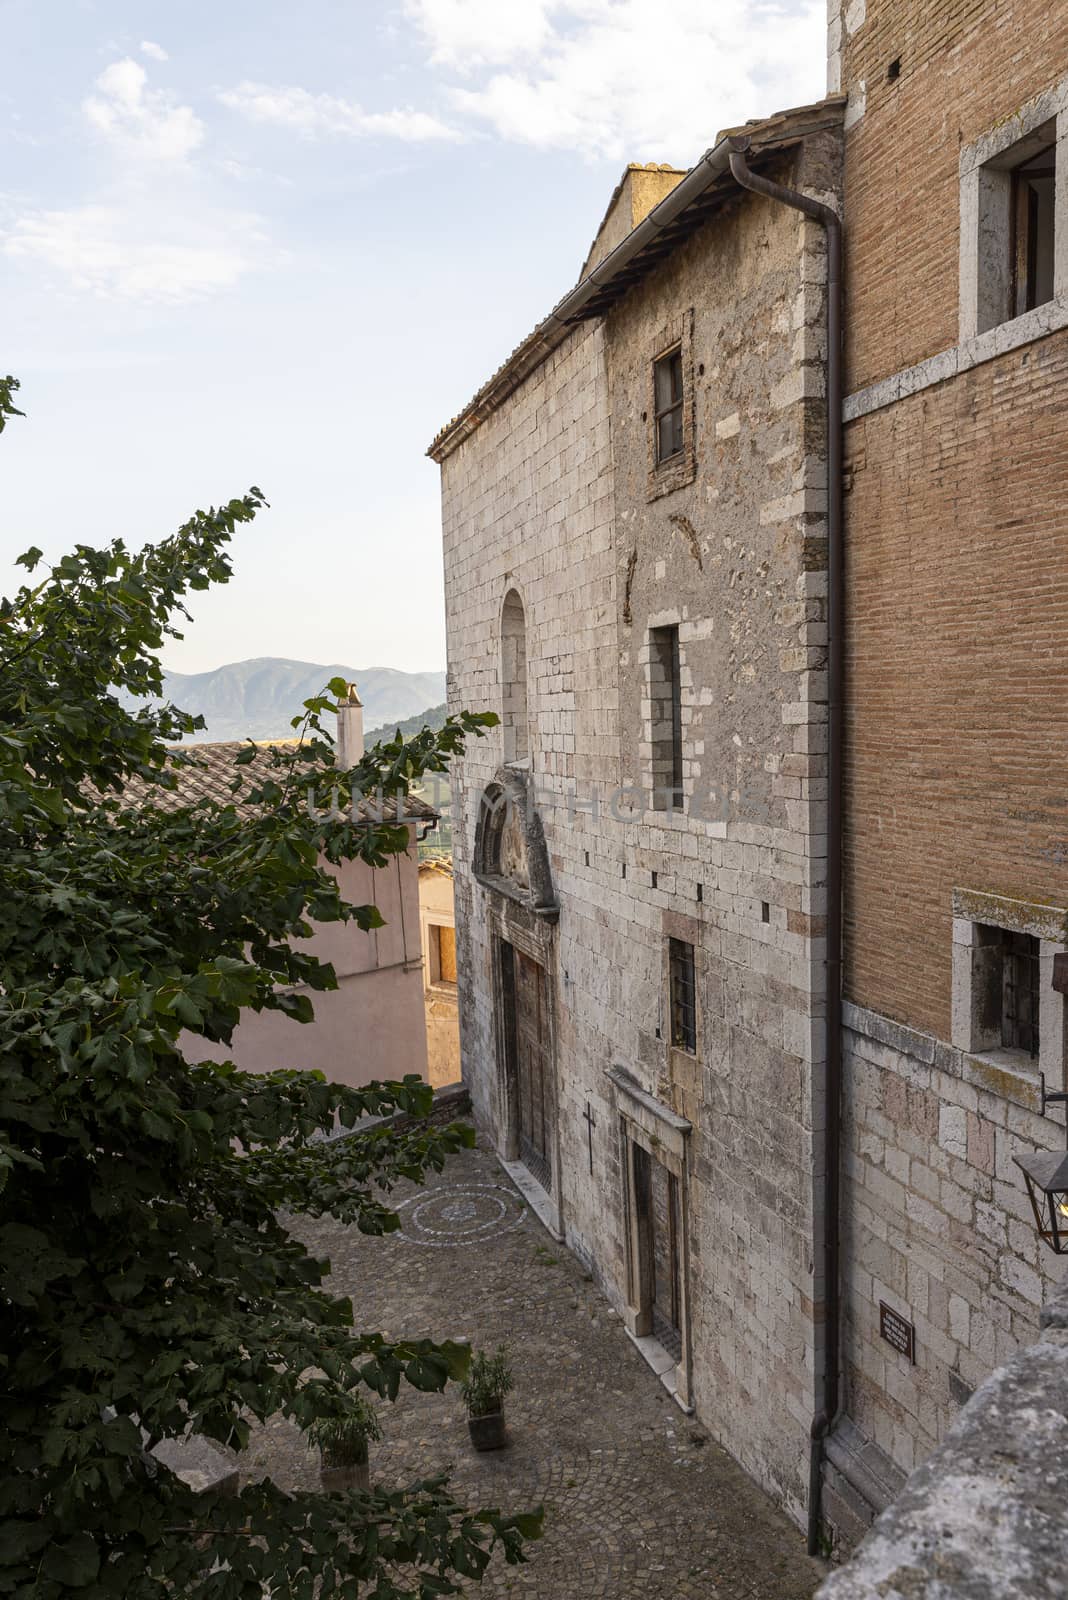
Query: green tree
point(147, 1283)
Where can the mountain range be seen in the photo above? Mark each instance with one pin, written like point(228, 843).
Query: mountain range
point(256, 699)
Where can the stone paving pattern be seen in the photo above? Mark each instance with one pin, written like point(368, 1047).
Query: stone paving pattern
point(639, 1501)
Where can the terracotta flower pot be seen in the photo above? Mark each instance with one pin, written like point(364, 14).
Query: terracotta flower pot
point(337, 1475)
point(487, 1431)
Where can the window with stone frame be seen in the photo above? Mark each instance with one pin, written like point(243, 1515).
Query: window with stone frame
point(668, 397)
point(671, 412)
point(1009, 223)
point(1005, 1008)
point(682, 984)
point(514, 715)
point(665, 718)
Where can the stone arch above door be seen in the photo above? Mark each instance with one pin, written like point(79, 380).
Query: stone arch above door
point(511, 857)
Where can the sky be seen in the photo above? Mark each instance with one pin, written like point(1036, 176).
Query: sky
point(257, 243)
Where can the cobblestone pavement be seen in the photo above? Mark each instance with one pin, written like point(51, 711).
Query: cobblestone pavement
point(639, 1502)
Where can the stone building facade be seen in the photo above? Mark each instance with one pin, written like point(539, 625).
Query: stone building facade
point(635, 553)
point(956, 883)
point(634, 529)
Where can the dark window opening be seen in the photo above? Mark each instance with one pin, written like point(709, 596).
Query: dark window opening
point(765, 911)
point(665, 697)
point(1020, 993)
point(893, 71)
point(667, 387)
point(683, 996)
point(1033, 184)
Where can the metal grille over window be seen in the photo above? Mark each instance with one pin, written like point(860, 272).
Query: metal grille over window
point(1032, 228)
point(683, 996)
point(665, 702)
point(667, 376)
point(1019, 1010)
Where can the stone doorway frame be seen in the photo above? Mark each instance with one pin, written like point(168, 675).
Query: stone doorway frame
point(512, 924)
point(646, 1124)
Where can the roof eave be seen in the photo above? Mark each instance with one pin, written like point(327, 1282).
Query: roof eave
point(587, 298)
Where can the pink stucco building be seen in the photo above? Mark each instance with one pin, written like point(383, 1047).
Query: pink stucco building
point(373, 1026)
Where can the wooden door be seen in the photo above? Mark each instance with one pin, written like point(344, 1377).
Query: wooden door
point(532, 1068)
point(658, 1262)
point(666, 1277)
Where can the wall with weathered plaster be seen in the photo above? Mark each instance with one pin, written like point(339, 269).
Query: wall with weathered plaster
point(552, 498)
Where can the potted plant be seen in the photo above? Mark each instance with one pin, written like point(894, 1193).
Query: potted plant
point(488, 1380)
point(343, 1442)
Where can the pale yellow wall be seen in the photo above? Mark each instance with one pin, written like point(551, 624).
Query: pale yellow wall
point(442, 1012)
point(638, 191)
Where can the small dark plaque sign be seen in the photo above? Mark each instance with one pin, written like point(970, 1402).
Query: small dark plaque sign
point(1060, 972)
point(897, 1332)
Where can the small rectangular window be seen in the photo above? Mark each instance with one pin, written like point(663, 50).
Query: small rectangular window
point(667, 390)
point(683, 996)
point(665, 704)
point(1008, 218)
point(442, 953)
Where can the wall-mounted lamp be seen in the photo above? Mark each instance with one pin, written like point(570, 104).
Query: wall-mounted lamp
point(1046, 1176)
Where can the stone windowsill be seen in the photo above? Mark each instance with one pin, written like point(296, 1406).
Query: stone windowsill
point(1007, 1073)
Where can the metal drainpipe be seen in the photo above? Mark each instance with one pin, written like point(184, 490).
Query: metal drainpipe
point(825, 1416)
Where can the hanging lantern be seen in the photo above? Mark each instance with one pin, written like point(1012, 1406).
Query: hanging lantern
point(1046, 1176)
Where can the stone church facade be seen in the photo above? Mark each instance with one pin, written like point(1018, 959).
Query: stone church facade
point(634, 526)
point(635, 516)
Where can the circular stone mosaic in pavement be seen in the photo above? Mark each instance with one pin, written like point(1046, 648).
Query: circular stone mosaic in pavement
point(460, 1214)
point(640, 1503)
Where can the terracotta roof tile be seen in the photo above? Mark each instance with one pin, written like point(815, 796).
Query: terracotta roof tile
point(214, 771)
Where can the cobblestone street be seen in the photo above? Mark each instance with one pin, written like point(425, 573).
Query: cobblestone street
point(639, 1502)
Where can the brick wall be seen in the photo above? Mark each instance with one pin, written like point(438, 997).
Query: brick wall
point(957, 526)
point(966, 65)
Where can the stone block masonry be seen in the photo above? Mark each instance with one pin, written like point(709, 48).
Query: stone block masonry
point(557, 496)
point(982, 1519)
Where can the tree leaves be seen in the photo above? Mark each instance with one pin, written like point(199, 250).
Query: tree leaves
point(149, 1285)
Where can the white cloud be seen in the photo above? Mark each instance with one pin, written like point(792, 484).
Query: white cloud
point(469, 33)
point(143, 122)
point(626, 79)
point(148, 253)
point(312, 114)
point(154, 52)
point(154, 229)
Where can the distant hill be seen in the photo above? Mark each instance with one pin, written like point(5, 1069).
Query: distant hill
point(433, 719)
point(256, 699)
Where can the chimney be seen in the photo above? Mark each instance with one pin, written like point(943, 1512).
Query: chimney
point(349, 730)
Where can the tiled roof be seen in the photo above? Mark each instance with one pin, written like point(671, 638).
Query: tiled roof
point(214, 771)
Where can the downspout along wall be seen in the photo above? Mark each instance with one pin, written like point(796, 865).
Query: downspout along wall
point(826, 1162)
